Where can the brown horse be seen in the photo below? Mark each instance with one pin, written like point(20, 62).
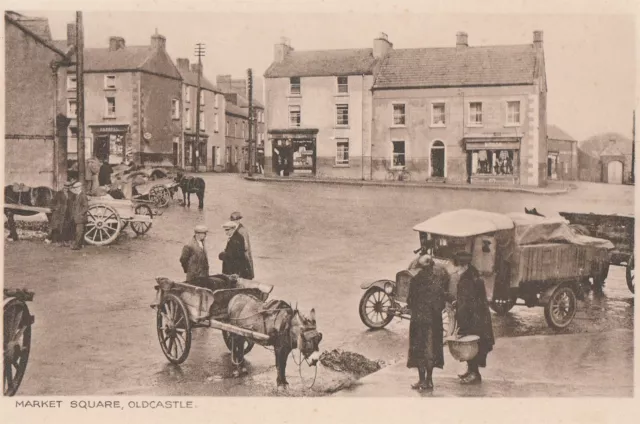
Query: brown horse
point(286, 327)
point(190, 185)
point(21, 194)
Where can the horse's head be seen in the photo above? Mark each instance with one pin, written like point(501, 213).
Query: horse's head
point(179, 177)
point(307, 337)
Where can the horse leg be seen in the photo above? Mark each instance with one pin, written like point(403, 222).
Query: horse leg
point(13, 233)
point(237, 354)
point(281, 365)
point(188, 198)
point(200, 199)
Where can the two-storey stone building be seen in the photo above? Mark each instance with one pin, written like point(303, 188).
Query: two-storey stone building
point(130, 103)
point(212, 120)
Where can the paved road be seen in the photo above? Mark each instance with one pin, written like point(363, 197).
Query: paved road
point(95, 332)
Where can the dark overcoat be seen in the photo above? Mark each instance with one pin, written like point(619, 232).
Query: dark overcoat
point(59, 210)
point(234, 258)
point(472, 312)
point(426, 300)
point(79, 208)
point(194, 260)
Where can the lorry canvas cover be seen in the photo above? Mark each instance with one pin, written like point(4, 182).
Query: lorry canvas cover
point(465, 223)
point(533, 229)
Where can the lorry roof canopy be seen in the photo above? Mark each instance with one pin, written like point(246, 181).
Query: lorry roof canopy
point(465, 223)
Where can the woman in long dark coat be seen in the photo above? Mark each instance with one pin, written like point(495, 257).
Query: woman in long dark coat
point(234, 260)
point(473, 316)
point(426, 301)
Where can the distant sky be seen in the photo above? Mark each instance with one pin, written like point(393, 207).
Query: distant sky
point(590, 59)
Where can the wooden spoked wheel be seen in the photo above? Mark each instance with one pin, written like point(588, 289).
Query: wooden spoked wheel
point(159, 195)
point(17, 344)
point(374, 308)
point(103, 225)
point(141, 228)
point(248, 344)
point(561, 309)
point(174, 329)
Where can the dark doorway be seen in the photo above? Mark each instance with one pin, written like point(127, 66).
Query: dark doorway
point(437, 159)
point(101, 147)
point(469, 166)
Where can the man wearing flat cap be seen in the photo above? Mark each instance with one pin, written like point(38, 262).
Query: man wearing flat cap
point(244, 233)
point(234, 258)
point(473, 315)
point(194, 259)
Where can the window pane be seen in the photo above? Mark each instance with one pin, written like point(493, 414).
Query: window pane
point(294, 85)
point(438, 114)
point(342, 114)
point(343, 85)
point(475, 113)
point(398, 115)
point(398, 153)
point(342, 152)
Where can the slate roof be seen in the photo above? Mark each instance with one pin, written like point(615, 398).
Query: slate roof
point(320, 63)
point(555, 133)
point(458, 67)
point(232, 109)
point(191, 78)
point(241, 101)
point(141, 58)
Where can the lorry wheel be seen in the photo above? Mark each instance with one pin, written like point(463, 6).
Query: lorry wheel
point(374, 307)
point(561, 308)
point(501, 306)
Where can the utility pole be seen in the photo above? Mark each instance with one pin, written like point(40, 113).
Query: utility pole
point(80, 97)
point(633, 150)
point(250, 95)
point(195, 147)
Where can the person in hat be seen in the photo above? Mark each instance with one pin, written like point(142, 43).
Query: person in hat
point(60, 213)
point(426, 300)
point(473, 316)
point(244, 233)
point(193, 259)
point(79, 208)
point(234, 258)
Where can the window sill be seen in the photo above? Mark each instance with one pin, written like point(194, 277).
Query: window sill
point(175, 119)
point(471, 125)
point(109, 117)
point(512, 125)
point(72, 90)
point(438, 126)
point(341, 95)
point(294, 95)
point(341, 127)
point(397, 167)
point(399, 126)
point(109, 89)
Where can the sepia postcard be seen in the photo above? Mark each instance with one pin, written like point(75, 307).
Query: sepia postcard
point(213, 208)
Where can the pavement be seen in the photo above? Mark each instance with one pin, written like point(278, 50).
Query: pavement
point(530, 366)
point(553, 187)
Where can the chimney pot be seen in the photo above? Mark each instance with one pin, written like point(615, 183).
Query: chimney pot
point(462, 39)
point(116, 43)
point(537, 38)
point(282, 49)
point(381, 46)
point(158, 42)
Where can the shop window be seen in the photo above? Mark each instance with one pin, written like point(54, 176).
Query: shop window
point(438, 115)
point(494, 162)
point(294, 85)
point(342, 152)
point(513, 113)
point(342, 117)
point(475, 113)
point(398, 153)
point(343, 84)
point(399, 114)
point(294, 116)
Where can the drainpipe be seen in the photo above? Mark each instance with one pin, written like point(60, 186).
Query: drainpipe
point(54, 74)
point(362, 132)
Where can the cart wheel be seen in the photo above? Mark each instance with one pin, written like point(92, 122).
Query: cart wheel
point(159, 195)
point(174, 328)
point(17, 344)
point(103, 225)
point(501, 306)
point(248, 344)
point(141, 228)
point(630, 275)
point(561, 309)
point(374, 307)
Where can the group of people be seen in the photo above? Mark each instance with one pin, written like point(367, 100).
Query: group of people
point(68, 216)
point(236, 257)
point(428, 294)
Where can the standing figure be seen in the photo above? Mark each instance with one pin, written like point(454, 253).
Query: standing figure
point(193, 259)
point(104, 175)
point(473, 316)
point(79, 208)
point(242, 230)
point(426, 300)
point(234, 259)
point(58, 225)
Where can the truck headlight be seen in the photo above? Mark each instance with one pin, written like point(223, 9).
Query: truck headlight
point(388, 288)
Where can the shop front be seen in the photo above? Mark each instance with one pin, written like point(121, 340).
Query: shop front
point(493, 160)
point(294, 152)
point(201, 151)
point(110, 143)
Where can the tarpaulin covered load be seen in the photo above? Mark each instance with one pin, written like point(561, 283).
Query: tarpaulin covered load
point(533, 229)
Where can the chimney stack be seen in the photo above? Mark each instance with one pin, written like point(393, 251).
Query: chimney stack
point(194, 67)
point(116, 43)
point(183, 64)
point(381, 46)
point(462, 39)
point(537, 39)
point(282, 50)
point(158, 42)
point(224, 82)
point(71, 34)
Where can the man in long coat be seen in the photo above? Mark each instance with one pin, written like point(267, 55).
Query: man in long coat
point(79, 208)
point(193, 259)
point(244, 233)
point(426, 300)
point(473, 316)
point(58, 224)
point(234, 258)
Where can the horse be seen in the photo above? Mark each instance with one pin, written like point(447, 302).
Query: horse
point(28, 196)
point(286, 327)
point(190, 185)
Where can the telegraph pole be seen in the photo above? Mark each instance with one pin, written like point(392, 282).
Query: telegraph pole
point(80, 96)
point(633, 150)
point(250, 95)
point(196, 146)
